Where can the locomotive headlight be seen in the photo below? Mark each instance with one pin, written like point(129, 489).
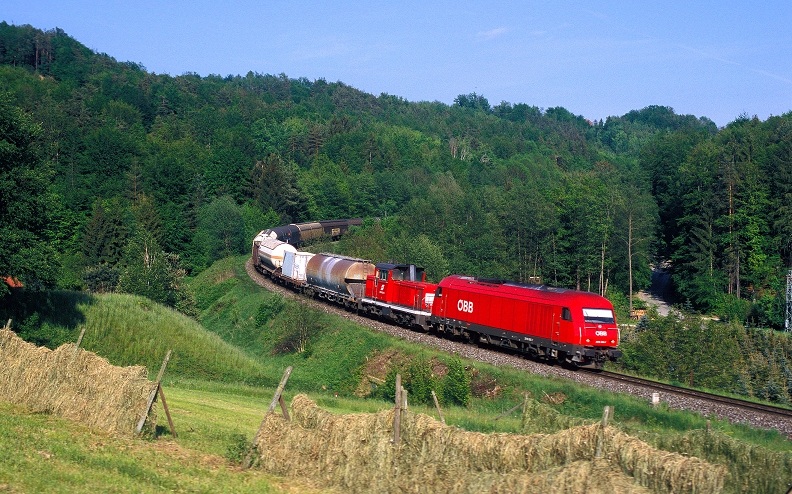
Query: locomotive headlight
point(588, 340)
point(613, 342)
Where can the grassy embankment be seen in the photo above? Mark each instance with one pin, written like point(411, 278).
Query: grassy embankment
point(220, 381)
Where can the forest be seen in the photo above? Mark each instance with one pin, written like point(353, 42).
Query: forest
point(116, 178)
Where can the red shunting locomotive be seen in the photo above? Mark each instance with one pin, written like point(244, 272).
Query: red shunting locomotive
point(400, 292)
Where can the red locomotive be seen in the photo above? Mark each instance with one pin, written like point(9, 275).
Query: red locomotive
point(400, 292)
point(568, 326)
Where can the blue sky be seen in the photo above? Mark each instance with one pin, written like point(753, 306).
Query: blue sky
point(596, 59)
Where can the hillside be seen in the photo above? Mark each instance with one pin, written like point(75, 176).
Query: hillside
point(216, 414)
point(132, 330)
point(196, 165)
point(134, 181)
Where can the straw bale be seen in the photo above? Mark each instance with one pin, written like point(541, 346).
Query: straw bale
point(82, 387)
point(356, 452)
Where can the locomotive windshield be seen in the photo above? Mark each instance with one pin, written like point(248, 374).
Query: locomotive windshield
point(598, 316)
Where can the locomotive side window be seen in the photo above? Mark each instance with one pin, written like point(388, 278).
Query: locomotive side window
point(598, 316)
point(383, 274)
point(566, 314)
point(439, 292)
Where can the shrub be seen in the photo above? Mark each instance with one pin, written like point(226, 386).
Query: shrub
point(456, 386)
point(302, 326)
point(420, 382)
point(269, 308)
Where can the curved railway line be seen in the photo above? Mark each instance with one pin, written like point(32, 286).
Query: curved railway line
point(734, 410)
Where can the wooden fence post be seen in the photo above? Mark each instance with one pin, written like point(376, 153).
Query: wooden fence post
point(278, 398)
point(167, 412)
point(397, 411)
point(437, 405)
point(79, 341)
point(153, 396)
point(607, 414)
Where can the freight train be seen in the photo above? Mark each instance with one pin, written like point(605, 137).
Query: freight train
point(555, 324)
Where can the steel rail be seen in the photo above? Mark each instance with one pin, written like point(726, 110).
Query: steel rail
point(702, 395)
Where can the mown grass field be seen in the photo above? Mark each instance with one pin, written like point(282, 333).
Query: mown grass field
point(42, 453)
point(224, 370)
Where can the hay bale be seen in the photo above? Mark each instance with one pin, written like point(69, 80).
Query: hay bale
point(79, 386)
point(660, 470)
point(752, 468)
point(539, 417)
point(355, 452)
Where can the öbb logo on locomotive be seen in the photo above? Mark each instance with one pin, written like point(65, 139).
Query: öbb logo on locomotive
point(465, 306)
point(555, 324)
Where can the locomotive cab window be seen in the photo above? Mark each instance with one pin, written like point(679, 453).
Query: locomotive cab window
point(383, 274)
point(598, 316)
point(439, 292)
point(566, 314)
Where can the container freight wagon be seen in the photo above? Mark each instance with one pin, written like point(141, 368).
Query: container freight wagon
point(568, 326)
point(295, 265)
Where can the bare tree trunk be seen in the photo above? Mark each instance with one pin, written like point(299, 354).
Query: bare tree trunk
point(629, 258)
point(602, 268)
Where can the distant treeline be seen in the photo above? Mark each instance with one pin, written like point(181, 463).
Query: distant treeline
point(188, 168)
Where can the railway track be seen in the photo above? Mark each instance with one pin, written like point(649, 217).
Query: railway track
point(737, 411)
point(702, 395)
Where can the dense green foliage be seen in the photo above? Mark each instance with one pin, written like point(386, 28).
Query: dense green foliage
point(506, 190)
point(25, 202)
point(132, 180)
point(510, 190)
point(692, 351)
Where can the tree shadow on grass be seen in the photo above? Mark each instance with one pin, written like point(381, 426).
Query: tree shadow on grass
point(46, 318)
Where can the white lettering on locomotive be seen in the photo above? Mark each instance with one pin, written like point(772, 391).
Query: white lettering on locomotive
point(465, 306)
point(601, 333)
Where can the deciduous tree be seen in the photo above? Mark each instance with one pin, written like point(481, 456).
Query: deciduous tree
point(26, 203)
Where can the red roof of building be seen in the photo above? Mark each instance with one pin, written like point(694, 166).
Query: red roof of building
point(13, 282)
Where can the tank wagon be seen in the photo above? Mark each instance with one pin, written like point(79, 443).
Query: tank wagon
point(338, 279)
point(298, 233)
point(270, 252)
